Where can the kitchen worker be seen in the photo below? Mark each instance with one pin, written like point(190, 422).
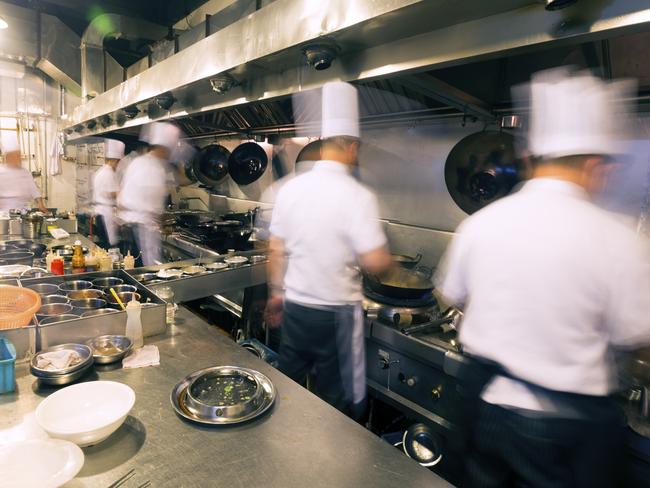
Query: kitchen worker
point(324, 224)
point(105, 189)
point(137, 150)
point(141, 201)
point(17, 186)
point(551, 285)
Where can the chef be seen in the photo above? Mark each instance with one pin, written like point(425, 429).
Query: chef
point(324, 224)
point(141, 200)
point(105, 189)
point(551, 285)
point(17, 186)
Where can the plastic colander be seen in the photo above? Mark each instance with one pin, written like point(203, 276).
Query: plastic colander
point(17, 306)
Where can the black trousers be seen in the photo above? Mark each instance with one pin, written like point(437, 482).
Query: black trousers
point(321, 340)
point(129, 243)
point(99, 228)
point(514, 450)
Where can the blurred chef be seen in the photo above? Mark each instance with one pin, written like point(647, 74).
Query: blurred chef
point(137, 150)
point(141, 200)
point(17, 186)
point(550, 284)
point(105, 189)
point(324, 224)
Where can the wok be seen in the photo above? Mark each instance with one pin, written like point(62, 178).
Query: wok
point(401, 283)
point(191, 219)
point(210, 165)
point(247, 163)
point(408, 262)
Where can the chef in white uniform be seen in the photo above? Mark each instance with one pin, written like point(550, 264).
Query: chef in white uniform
point(324, 224)
point(105, 189)
point(141, 200)
point(551, 284)
point(17, 186)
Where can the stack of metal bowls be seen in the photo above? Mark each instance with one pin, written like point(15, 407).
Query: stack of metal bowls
point(67, 375)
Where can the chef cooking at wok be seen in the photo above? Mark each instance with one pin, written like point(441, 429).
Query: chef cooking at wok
point(105, 189)
point(17, 186)
point(325, 223)
point(141, 200)
point(551, 286)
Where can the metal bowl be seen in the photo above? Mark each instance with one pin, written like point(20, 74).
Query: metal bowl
point(122, 289)
point(235, 261)
point(75, 285)
point(216, 266)
point(81, 294)
point(57, 318)
point(17, 257)
point(44, 288)
point(84, 351)
point(124, 297)
point(109, 348)
point(64, 379)
point(193, 270)
point(21, 243)
point(99, 311)
point(258, 259)
point(53, 309)
point(86, 304)
point(107, 282)
point(146, 277)
point(46, 300)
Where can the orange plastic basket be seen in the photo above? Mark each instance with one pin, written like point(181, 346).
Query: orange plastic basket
point(17, 306)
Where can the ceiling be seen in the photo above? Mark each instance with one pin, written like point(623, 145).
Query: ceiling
point(76, 14)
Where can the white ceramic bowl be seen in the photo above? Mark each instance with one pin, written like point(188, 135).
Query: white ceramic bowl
point(46, 463)
point(86, 413)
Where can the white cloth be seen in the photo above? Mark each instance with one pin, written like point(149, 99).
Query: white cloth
point(56, 155)
point(549, 282)
point(340, 110)
point(326, 220)
point(141, 358)
point(56, 360)
point(17, 188)
point(104, 184)
point(113, 149)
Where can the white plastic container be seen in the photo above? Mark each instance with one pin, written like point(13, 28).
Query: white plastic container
point(134, 324)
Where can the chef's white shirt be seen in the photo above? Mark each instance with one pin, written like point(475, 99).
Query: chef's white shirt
point(326, 220)
point(17, 188)
point(104, 183)
point(142, 197)
point(550, 283)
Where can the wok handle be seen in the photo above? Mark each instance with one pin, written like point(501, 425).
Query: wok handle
point(425, 271)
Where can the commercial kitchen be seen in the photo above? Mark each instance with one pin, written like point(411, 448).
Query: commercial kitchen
point(134, 372)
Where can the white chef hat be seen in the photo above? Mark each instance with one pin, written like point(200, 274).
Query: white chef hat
point(161, 134)
point(9, 141)
point(113, 149)
point(573, 114)
point(340, 110)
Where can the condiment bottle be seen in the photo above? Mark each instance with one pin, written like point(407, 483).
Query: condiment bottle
point(92, 263)
point(134, 324)
point(129, 261)
point(105, 262)
point(57, 266)
point(51, 256)
point(78, 260)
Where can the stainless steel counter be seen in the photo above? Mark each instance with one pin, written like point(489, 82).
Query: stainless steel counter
point(301, 442)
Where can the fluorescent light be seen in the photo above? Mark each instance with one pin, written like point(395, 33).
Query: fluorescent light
point(3, 23)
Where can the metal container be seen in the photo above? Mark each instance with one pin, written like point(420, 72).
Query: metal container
point(123, 289)
point(86, 304)
point(32, 225)
point(20, 243)
point(52, 309)
point(4, 227)
point(58, 318)
point(64, 379)
point(107, 282)
point(15, 227)
point(84, 351)
point(125, 297)
point(99, 311)
point(81, 294)
point(44, 288)
point(17, 257)
point(48, 299)
point(75, 285)
point(108, 349)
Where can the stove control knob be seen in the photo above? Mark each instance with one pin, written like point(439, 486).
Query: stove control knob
point(412, 381)
point(384, 363)
point(436, 393)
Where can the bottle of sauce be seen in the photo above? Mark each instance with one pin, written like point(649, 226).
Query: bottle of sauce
point(78, 259)
point(57, 267)
point(129, 261)
point(105, 262)
point(51, 256)
point(92, 262)
point(134, 324)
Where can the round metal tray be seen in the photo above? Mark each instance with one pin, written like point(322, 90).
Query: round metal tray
point(186, 405)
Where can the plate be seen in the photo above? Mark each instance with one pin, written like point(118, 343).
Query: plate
point(193, 270)
point(46, 463)
point(169, 273)
point(179, 393)
point(216, 266)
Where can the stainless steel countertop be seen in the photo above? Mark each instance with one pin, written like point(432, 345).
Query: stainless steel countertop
point(301, 442)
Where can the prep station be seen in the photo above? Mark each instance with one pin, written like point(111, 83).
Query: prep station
point(434, 81)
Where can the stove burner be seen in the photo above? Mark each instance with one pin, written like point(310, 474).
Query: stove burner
point(425, 301)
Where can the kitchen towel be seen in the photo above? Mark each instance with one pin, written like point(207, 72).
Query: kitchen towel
point(55, 360)
point(140, 358)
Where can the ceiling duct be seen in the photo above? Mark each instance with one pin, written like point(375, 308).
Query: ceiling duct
point(93, 55)
point(59, 53)
point(558, 4)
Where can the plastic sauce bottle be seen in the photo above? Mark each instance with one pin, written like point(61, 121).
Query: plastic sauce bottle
point(78, 260)
point(51, 256)
point(105, 262)
point(129, 261)
point(92, 263)
point(134, 324)
point(58, 266)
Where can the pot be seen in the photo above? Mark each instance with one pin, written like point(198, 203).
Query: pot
point(247, 163)
point(17, 257)
point(401, 283)
point(210, 165)
point(32, 224)
point(407, 261)
point(4, 227)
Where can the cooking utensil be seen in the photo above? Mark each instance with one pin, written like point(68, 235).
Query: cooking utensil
point(210, 165)
point(108, 349)
point(57, 318)
point(7, 248)
point(86, 413)
point(216, 266)
point(193, 218)
point(44, 288)
point(106, 282)
point(401, 283)
point(47, 299)
point(52, 309)
point(84, 352)
point(257, 259)
point(32, 224)
point(98, 311)
point(17, 257)
point(86, 304)
point(17, 306)
point(143, 278)
point(407, 261)
point(482, 168)
point(235, 261)
point(75, 285)
point(193, 270)
point(20, 243)
point(124, 298)
point(124, 288)
point(169, 273)
point(37, 249)
point(81, 294)
point(247, 163)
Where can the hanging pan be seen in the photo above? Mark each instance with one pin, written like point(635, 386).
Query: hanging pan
point(247, 163)
point(210, 165)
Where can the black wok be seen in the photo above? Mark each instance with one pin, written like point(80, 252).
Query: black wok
point(210, 165)
point(192, 219)
point(408, 262)
point(247, 163)
point(401, 283)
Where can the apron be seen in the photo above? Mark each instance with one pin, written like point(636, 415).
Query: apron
point(149, 242)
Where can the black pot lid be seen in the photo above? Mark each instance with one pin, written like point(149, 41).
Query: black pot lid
point(482, 168)
point(247, 163)
point(211, 164)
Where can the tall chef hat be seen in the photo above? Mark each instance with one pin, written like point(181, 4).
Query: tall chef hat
point(574, 114)
point(161, 134)
point(9, 141)
point(340, 110)
point(113, 149)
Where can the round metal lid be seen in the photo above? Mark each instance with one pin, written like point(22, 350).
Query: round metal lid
point(223, 395)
